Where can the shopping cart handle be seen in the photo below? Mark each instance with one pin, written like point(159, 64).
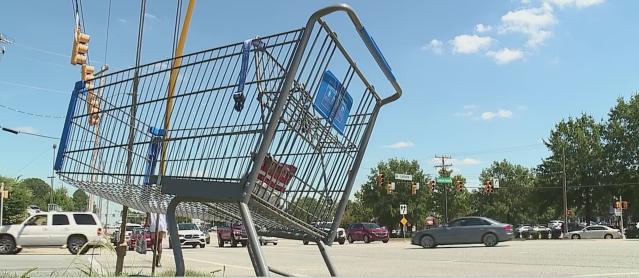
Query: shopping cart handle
point(368, 41)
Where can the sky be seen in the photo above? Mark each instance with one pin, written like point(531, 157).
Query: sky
point(482, 81)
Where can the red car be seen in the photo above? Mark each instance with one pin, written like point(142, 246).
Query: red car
point(232, 234)
point(137, 234)
point(367, 232)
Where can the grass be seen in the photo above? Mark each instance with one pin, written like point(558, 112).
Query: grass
point(78, 268)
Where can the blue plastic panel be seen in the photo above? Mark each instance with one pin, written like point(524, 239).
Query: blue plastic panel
point(333, 101)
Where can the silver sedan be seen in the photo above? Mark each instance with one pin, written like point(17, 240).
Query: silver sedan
point(465, 230)
point(594, 232)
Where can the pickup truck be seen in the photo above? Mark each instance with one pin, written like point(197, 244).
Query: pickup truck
point(232, 234)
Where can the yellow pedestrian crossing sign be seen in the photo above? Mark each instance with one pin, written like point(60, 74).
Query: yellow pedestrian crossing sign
point(403, 221)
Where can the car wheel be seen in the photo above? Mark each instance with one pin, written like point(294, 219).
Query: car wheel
point(427, 241)
point(202, 245)
point(608, 236)
point(244, 243)
point(367, 239)
point(576, 237)
point(208, 241)
point(341, 241)
point(350, 239)
point(130, 247)
point(7, 245)
point(220, 242)
point(274, 243)
point(490, 240)
point(385, 241)
point(77, 245)
point(305, 242)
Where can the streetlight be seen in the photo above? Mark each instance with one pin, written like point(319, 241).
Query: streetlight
point(52, 173)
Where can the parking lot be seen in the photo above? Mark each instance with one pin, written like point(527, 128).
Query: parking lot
point(578, 258)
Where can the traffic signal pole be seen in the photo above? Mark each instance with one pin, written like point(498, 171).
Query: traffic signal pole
point(1, 202)
point(565, 226)
point(621, 217)
point(443, 166)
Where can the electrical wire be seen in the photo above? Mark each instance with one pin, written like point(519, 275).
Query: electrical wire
point(106, 43)
point(25, 166)
point(31, 114)
point(33, 87)
point(40, 61)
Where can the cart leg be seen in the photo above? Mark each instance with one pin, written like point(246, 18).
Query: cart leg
point(174, 238)
point(327, 258)
point(254, 242)
point(253, 261)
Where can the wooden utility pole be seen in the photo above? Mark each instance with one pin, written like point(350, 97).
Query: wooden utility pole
point(444, 172)
point(565, 228)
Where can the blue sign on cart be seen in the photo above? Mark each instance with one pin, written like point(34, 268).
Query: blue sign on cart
point(333, 101)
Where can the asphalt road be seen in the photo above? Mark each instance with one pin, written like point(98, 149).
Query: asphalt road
point(536, 258)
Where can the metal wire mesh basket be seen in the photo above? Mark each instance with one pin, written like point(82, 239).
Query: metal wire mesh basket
point(285, 117)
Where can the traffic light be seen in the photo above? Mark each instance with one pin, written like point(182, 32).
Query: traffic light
point(380, 179)
point(80, 47)
point(617, 205)
point(5, 194)
point(413, 189)
point(459, 186)
point(432, 185)
point(624, 205)
point(489, 186)
point(568, 212)
point(388, 188)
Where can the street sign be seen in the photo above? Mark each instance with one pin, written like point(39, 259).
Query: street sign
point(404, 177)
point(617, 212)
point(403, 221)
point(393, 186)
point(495, 183)
point(403, 209)
point(444, 180)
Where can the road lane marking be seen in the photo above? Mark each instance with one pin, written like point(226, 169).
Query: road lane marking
point(607, 274)
point(227, 265)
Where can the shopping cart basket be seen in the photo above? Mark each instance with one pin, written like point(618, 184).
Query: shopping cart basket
point(270, 131)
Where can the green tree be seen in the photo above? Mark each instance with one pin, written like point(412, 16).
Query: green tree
point(61, 197)
point(385, 207)
point(580, 140)
point(510, 203)
point(621, 137)
point(15, 207)
point(41, 191)
point(80, 200)
point(356, 211)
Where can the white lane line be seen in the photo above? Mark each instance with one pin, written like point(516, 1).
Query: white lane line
point(607, 274)
point(228, 265)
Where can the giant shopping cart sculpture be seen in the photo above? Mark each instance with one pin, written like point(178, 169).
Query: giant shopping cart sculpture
point(262, 131)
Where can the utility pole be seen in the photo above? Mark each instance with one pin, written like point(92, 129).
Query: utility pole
point(563, 152)
point(1, 202)
point(621, 217)
point(96, 139)
point(52, 177)
point(5, 41)
point(444, 172)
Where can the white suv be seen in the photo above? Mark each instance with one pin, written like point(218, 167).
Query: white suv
point(76, 230)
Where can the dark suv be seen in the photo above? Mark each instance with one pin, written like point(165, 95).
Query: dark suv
point(366, 232)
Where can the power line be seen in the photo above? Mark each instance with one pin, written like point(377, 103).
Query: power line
point(40, 61)
point(34, 87)
point(106, 43)
point(25, 166)
point(31, 114)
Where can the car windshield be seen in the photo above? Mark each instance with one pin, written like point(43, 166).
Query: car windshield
point(326, 225)
point(187, 226)
point(371, 226)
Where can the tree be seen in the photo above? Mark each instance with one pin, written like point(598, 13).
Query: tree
point(580, 140)
point(41, 191)
point(510, 203)
point(621, 137)
point(385, 207)
point(15, 207)
point(356, 212)
point(61, 197)
point(80, 200)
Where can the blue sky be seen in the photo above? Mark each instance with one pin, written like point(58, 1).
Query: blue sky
point(479, 77)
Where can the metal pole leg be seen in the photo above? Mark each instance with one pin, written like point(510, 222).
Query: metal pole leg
point(254, 242)
point(253, 262)
point(327, 259)
point(174, 238)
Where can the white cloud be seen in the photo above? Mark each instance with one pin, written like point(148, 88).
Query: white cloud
point(122, 20)
point(26, 129)
point(533, 22)
point(148, 15)
point(480, 28)
point(470, 106)
point(522, 107)
point(468, 161)
point(577, 3)
point(506, 55)
point(501, 113)
point(403, 144)
point(467, 44)
point(464, 114)
point(434, 45)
